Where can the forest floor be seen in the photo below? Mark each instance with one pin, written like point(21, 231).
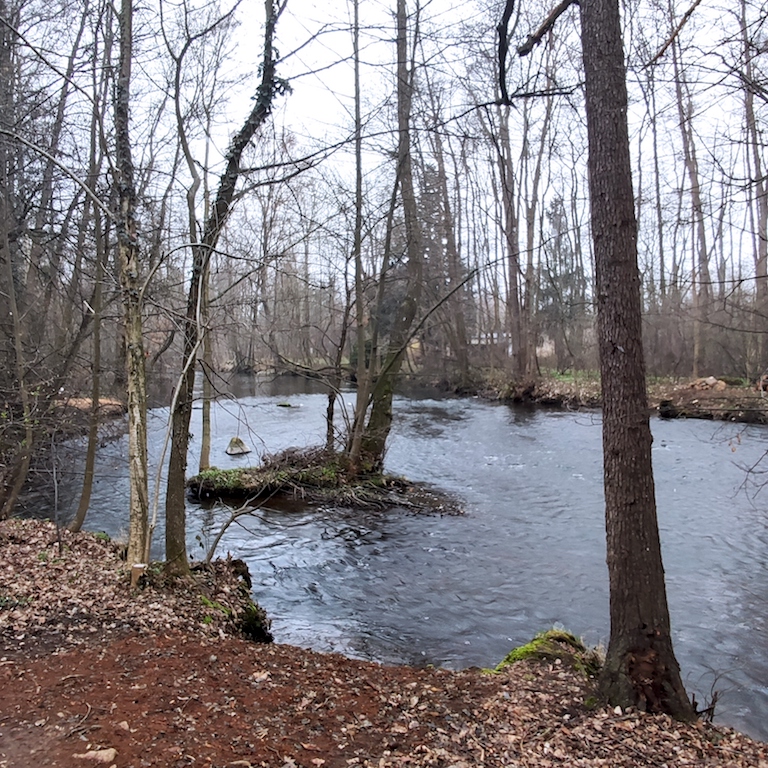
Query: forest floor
point(94, 673)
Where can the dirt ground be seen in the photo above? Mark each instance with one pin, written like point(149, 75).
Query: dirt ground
point(93, 673)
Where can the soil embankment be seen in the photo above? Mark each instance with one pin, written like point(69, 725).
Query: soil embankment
point(705, 398)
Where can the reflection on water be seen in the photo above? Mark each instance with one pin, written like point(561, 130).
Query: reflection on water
point(529, 552)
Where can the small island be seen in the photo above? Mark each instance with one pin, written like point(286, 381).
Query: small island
point(317, 476)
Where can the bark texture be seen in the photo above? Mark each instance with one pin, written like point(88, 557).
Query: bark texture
point(640, 668)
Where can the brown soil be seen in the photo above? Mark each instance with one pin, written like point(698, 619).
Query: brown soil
point(693, 400)
point(94, 674)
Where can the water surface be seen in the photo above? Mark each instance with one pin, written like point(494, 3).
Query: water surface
point(527, 554)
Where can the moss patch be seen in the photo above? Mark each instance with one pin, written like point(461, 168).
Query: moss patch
point(552, 645)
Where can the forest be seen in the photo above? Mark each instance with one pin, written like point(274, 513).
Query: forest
point(302, 183)
point(193, 188)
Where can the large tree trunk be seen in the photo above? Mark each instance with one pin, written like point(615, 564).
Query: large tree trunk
point(640, 668)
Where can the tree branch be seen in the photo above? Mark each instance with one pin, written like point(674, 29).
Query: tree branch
point(503, 30)
point(534, 39)
point(687, 15)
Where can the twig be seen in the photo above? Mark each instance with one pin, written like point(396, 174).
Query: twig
point(245, 509)
point(79, 726)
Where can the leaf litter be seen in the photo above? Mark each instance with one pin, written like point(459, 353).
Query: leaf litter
point(91, 670)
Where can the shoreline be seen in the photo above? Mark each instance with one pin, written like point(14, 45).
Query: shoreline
point(92, 672)
point(706, 398)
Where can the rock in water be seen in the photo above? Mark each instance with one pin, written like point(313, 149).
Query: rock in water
point(237, 447)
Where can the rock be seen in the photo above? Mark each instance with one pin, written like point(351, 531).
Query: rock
point(98, 755)
point(237, 447)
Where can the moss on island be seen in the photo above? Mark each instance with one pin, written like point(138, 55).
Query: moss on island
point(316, 476)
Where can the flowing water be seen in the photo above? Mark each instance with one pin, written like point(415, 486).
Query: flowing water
point(528, 553)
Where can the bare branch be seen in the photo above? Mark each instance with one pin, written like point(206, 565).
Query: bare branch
point(687, 15)
point(63, 168)
point(534, 39)
point(503, 30)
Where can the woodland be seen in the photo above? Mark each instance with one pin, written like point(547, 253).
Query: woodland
point(352, 193)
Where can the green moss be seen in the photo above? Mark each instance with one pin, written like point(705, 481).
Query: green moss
point(555, 644)
point(228, 479)
point(102, 536)
point(215, 606)
point(316, 476)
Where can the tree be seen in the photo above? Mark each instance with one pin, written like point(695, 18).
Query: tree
point(379, 424)
point(132, 290)
point(640, 668)
point(220, 211)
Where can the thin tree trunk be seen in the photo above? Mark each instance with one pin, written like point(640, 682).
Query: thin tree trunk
point(93, 422)
point(207, 361)
point(23, 455)
point(130, 281)
point(755, 144)
point(700, 277)
point(175, 507)
point(364, 367)
point(380, 419)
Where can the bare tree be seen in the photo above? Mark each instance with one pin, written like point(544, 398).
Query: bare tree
point(132, 295)
point(640, 667)
point(269, 87)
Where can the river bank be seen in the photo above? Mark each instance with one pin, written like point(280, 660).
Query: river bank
point(93, 673)
point(707, 398)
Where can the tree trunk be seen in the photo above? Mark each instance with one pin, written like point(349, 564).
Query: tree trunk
point(700, 277)
point(380, 420)
point(759, 203)
point(640, 669)
point(175, 507)
point(207, 363)
point(128, 250)
point(93, 424)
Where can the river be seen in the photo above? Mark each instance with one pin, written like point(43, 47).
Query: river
point(527, 554)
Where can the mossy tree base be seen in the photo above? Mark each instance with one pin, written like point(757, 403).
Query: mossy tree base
point(647, 678)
